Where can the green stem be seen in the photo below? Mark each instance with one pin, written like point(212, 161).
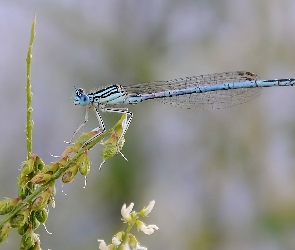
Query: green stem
point(125, 237)
point(128, 229)
point(57, 174)
point(29, 127)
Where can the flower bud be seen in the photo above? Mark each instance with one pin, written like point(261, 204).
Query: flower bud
point(133, 242)
point(27, 167)
point(69, 153)
point(23, 229)
point(117, 239)
point(41, 178)
point(20, 219)
point(34, 223)
point(52, 168)
point(71, 150)
point(41, 201)
point(23, 189)
point(114, 144)
point(7, 205)
point(84, 138)
point(84, 163)
point(38, 164)
point(36, 246)
point(23, 192)
point(70, 174)
point(109, 147)
point(28, 239)
point(41, 215)
point(146, 210)
point(4, 231)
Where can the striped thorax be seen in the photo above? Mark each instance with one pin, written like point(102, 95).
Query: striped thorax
point(111, 95)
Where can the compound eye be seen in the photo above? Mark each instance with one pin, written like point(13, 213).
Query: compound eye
point(84, 100)
point(79, 92)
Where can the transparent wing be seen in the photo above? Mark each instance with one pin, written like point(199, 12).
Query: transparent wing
point(207, 100)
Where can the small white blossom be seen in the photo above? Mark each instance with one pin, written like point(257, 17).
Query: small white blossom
point(140, 247)
point(149, 229)
point(116, 241)
point(126, 246)
point(125, 211)
point(102, 245)
point(134, 244)
point(146, 210)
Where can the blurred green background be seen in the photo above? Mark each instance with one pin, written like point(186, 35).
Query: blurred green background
point(221, 179)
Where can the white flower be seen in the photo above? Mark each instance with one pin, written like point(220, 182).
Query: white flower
point(125, 211)
point(148, 229)
point(140, 247)
point(116, 241)
point(126, 246)
point(102, 245)
point(146, 210)
point(136, 246)
point(144, 228)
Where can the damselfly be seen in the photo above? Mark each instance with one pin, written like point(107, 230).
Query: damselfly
point(205, 91)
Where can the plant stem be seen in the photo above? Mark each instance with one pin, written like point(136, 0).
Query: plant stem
point(29, 127)
point(28, 200)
